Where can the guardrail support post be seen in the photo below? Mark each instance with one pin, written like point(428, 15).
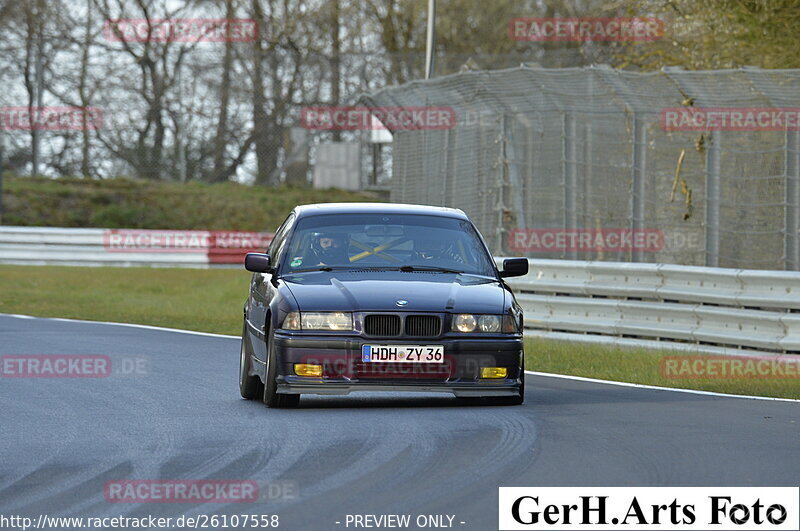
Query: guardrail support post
point(570, 176)
point(712, 199)
point(639, 165)
point(792, 202)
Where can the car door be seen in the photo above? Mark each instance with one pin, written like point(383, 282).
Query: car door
point(263, 289)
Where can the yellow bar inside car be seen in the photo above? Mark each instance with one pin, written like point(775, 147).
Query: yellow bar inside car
point(305, 369)
point(494, 372)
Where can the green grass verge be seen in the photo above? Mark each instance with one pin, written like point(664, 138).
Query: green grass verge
point(207, 300)
point(125, 203)
point(642, 366)
point(211, 300)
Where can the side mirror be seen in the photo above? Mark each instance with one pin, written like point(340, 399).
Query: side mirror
point(258, 263)
point(514, 267)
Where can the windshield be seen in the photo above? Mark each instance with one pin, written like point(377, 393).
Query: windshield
point(386, 241)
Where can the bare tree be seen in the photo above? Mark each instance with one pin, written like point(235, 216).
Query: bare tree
point(221, 138)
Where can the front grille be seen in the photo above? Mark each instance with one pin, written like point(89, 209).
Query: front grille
point(382, 325)
point(423, 325)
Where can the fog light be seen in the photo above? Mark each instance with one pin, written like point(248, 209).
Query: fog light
point(304, 369)
point(494, 372)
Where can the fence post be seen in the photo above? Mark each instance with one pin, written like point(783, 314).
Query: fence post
point(570, 176)
point(638, 167)
point(792, 202)
point(449, 172)
point(513, 189)
point(712, 198)
point(426, 150)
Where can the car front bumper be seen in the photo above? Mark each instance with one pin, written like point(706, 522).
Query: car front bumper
point(344, 372)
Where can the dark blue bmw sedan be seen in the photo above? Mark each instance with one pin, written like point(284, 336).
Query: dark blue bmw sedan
point(380, 297)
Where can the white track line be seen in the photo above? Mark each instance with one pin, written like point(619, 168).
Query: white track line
point(658, 388)
point(533, 373)
point(129, 325)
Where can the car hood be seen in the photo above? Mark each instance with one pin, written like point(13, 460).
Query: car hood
point(380, 291)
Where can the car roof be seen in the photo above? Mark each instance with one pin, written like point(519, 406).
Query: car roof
point(376, 208)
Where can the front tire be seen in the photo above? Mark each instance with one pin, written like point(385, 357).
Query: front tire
point(250, 387)
point(271, 397)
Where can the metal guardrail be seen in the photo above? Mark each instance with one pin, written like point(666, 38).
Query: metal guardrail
point(126, 247)
point(729, 308)
point(744, 310)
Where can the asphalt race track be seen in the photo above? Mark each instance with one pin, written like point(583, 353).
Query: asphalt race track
point(178, 415)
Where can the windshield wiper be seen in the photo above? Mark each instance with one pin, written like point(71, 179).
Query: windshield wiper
point(320, 268)
point(433, 269)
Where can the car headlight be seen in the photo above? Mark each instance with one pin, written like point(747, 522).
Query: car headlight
point(318, 321)
point(464, 322)
point(488, 324)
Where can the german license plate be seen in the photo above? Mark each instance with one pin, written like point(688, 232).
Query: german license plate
point(402, 353)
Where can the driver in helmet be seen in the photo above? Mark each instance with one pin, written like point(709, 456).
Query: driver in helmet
point(430, 248)
point(330, 248)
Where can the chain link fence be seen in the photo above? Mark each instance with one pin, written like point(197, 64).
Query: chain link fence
point(544, 153)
